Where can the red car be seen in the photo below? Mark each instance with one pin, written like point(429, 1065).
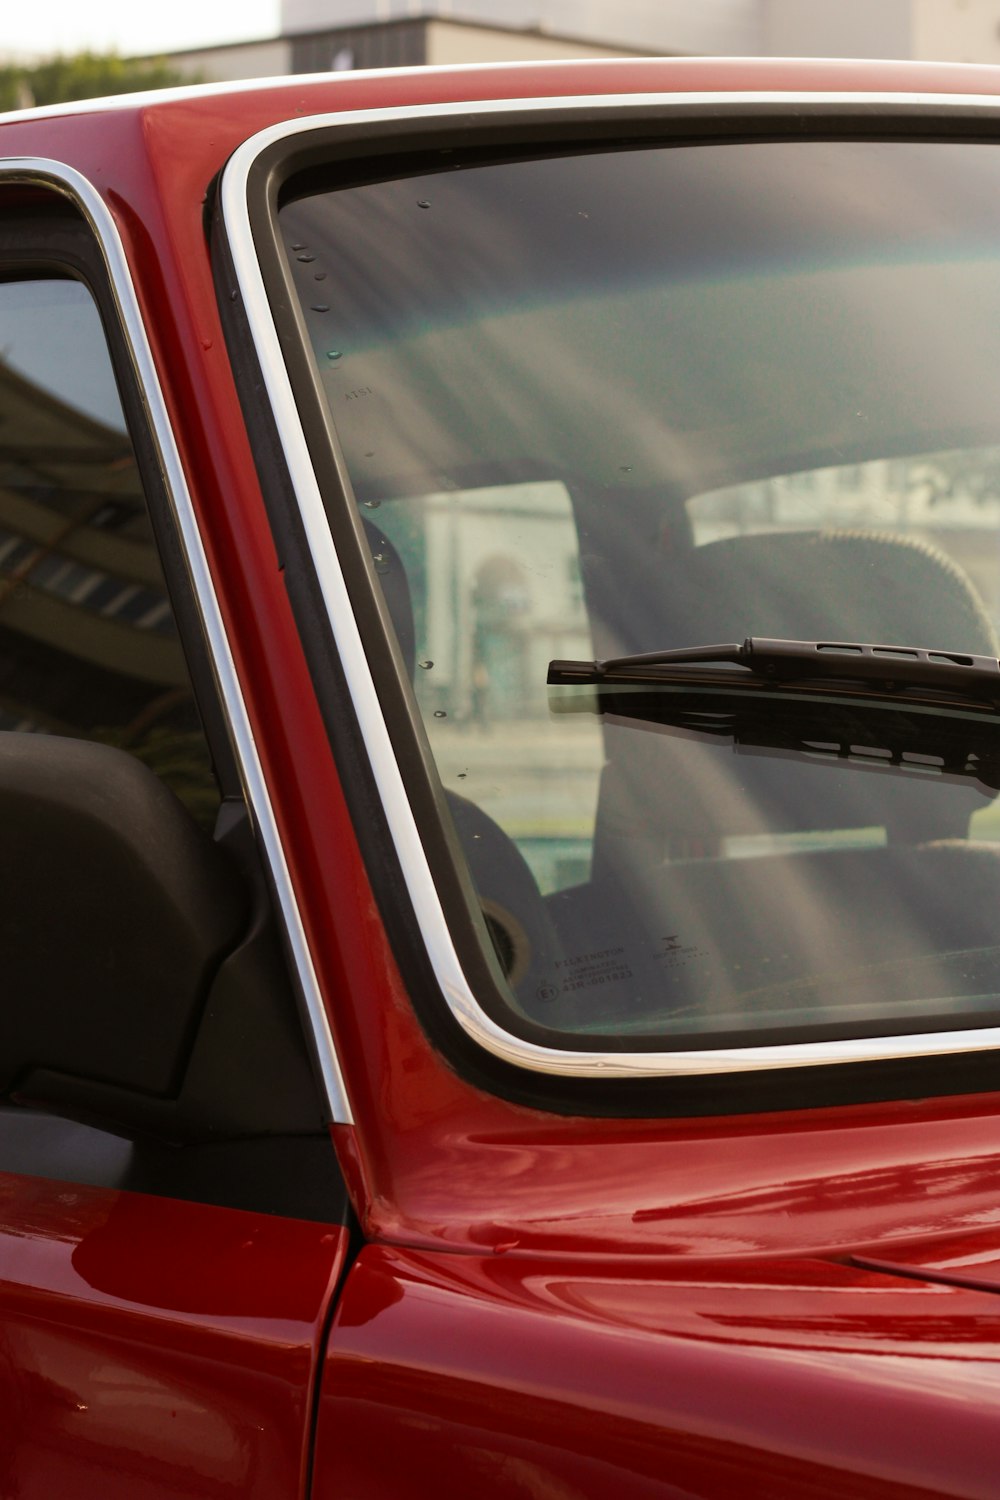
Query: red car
point(500, 692)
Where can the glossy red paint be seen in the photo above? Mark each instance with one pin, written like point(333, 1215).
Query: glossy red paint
point(823, 1182)
point(970, 1259)
point(518, 1375)
point(152, 1347)
point(639, 1307)
point(433, 1158)
point(546, 1305)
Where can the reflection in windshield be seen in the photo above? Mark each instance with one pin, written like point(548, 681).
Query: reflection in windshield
point(88, 645)
point(659, 399)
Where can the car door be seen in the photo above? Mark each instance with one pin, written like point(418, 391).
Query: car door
point(167, 1255)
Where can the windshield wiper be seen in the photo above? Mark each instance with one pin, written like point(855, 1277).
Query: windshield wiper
point(878, 732)
point(886, 669)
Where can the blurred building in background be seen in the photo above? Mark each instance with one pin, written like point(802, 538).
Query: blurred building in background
point(927, 30)
point(430, 39)
point(643, 25)
point(341, 35)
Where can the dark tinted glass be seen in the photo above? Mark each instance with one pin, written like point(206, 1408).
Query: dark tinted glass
point(88, 644)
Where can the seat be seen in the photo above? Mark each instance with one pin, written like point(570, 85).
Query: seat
point(752, 933)
point(861, 586)
point(817, 585)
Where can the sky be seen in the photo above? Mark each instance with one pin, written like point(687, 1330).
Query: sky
point(132, 28)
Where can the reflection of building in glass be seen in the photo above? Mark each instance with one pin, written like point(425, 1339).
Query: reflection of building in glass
point(87, 640)
point(86, 633)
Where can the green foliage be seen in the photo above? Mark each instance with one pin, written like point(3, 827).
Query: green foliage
point(85, 75)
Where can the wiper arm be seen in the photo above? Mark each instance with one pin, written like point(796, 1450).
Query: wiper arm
point(890, 668)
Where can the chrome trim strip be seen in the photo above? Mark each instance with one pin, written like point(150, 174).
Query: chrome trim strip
point(412, 858)
point(74, 186)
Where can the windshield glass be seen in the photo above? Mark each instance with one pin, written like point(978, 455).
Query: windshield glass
point(668, 397)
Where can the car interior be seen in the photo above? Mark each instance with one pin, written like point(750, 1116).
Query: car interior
point(683, 396)
point(737, 892)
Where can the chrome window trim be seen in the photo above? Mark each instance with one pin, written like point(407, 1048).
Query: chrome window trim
point(71, 184)
point(427, 907)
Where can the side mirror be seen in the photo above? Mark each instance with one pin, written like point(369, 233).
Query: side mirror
point(137, 968)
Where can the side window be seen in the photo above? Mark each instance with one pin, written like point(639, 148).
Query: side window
point(88, 643)
point(147, 993)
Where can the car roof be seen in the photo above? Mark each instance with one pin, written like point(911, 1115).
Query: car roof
point(390, 87)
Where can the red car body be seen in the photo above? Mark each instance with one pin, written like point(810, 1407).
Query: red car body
point(525, 1300)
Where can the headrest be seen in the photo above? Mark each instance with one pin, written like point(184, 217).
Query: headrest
point(816, 585)
point(805, 585)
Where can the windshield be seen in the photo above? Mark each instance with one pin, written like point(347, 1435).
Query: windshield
point(669, 397)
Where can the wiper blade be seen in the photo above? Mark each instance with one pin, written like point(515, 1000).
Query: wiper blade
point(890, 669)
point(878, 732)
